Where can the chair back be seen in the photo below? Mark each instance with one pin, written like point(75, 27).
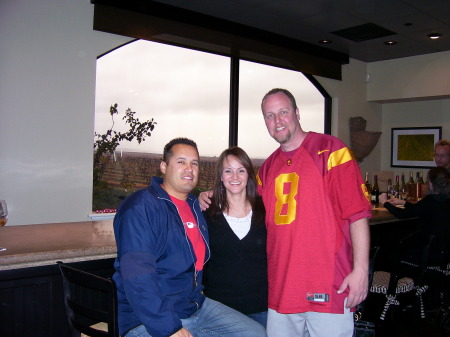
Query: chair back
point(411, 257)
point(373, 253)
point(409, 263)
point(89, 299)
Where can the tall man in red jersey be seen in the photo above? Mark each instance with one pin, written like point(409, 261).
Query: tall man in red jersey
point(317, 227)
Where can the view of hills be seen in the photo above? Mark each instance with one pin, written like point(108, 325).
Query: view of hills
point(126, 172)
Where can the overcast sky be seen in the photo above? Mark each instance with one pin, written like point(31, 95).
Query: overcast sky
point(187, 94)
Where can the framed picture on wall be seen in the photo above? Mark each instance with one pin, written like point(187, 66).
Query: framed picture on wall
point(414, 147)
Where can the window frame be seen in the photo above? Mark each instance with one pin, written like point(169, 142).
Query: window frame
point(234, 103)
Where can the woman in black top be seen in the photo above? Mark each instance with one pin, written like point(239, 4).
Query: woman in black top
point(236, 273)
point(433, 213)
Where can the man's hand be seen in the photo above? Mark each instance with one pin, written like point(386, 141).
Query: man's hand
point(205, 199)
point(182, 333)
point(358, 283)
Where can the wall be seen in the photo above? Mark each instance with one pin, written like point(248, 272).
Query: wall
point(414, 92)
point(48, 56)
point(47, 88)
point(410, 78)
point(405, 92)
point(412, 114)
point(47, 81)
point(349, 100)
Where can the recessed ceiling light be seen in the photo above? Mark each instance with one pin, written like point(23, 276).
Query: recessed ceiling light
point(434, 36)
point(325, 41)
point(390, 43)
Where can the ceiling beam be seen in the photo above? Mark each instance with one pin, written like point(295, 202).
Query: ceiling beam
point(163, 23)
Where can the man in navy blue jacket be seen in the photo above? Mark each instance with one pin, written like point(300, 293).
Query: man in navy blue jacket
point(162, 245)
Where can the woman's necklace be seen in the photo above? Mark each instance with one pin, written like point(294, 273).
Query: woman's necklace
point(245, 219)
point(241, 213)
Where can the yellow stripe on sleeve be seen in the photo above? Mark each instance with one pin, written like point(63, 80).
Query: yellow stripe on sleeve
point(258, 180)
point(339, 157)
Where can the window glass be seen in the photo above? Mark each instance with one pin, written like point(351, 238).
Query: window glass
point(255, 80)
point(186, 92)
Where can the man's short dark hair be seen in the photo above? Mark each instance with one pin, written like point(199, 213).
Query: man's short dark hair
point(282, 91)
point(168, 148)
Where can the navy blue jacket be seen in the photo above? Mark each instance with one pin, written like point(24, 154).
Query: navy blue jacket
point(155, 274)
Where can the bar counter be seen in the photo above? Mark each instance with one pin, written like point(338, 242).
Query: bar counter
point(44, 244)
point(31, 294)
point(381, 215)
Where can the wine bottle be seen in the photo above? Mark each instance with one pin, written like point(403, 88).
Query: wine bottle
point(411, 178)
point(368, 185)
point(375, 191)
point(397, 187)
point(389, 189)
point(420, 181)
point(411, 186)
point(403, 188)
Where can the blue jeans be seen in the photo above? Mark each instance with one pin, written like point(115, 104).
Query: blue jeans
point(214, 319)
point(260, 317)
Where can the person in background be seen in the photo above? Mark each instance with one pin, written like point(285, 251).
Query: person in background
point(433, 212)
point(317, 227)
point(236, 273)
point(442, 154)
point(162, 245)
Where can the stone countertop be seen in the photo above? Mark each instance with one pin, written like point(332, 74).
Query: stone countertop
point(381, 215)
point(44, 244)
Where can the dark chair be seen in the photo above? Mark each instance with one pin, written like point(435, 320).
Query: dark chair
point(90, 301)
point(437, 275)
point(406, 277)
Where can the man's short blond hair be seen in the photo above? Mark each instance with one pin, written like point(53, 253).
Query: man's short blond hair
point(442, 142)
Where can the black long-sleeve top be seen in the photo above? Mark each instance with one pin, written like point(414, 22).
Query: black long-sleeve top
point(433, 213)
point(236, 274)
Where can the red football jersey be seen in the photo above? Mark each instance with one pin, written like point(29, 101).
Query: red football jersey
point(311, 195)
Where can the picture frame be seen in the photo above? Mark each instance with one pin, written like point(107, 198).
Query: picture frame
point(414, 147)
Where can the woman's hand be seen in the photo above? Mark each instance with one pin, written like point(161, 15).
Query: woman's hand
point(382, 198)
point(395, 201)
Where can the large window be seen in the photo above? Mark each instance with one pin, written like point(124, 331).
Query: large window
point(187, 93)
point(255, 80)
